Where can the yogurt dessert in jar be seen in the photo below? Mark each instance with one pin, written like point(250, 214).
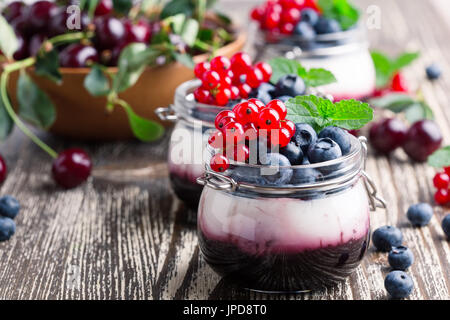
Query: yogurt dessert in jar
point(297, 220)
point(319, 37)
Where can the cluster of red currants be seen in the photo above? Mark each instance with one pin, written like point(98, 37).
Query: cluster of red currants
point(44, 19)
point(442, 182)
point(281, 16)
point(225, 80)
point(249, 121)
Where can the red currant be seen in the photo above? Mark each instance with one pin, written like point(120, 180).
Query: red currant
point(258, 103)
point(441, 180)
point(234, 92)
point(223, 122)
point(272, 20)
point(399, 83)
point(287, 28)
point(240, 153)
point(201, 68)
point(211, 79)
point(244, 90)
point(246, 112)
point(220, 64)
point(226, 81)
point(291, 15)
point(201, 95)
point(268, 119)
point(240, 63)
point(279, 107)
point(216, 140)
point(254, 78)
point(234, 132)
point(289, 125)
point(447, 171)
point(442, 196)
point(266, 70)
point(71, 168)
point(221, 115)
point(257, 13)
point(219, 163)
point(223, 96)
point(250, 131)
point(284, 136)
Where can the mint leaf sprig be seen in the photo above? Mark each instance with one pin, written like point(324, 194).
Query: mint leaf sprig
point(386, 67)
point(312, 77)
point(341, 10)
point(320, 113)
point(440, 158)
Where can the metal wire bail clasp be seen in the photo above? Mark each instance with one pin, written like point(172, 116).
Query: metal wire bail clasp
point(166, 113)
point(217, 181)
point(375, 201)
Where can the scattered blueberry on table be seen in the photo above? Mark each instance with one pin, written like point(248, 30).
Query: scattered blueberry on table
point(386, 237)
point(9, 208)
point(398, 284)
point(400, 258)
point(420, 214)
point(446, 225)
point(433, 71)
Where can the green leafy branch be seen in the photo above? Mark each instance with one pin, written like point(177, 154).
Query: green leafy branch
point(386, 67)
point(312, 77)
point(341, 10)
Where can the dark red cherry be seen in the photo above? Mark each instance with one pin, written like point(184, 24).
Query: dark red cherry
point(78, 56)
point(137, 32)
point(21, 25)
point(71, 168)
point(58, 22)
point(115, 54)
point(36, 42)
point(422, 139)
point(104, 7)
point(39, 15)
point(22, 52)
point(110, 32)
point(13, 10)
point(3, 170)
point(387, 135)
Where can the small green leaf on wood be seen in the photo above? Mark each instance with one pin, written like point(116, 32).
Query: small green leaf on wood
point(34, 104)
point(143, 129)
point(96, 82)
point(440, 158)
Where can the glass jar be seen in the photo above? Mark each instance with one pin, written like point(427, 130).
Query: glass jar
point(188, 141)
point(346, 54)
point(297, 237)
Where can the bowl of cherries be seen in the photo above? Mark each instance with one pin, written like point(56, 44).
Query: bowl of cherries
point(102, 67)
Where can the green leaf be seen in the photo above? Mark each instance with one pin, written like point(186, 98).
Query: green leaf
point(96, 82)
point(320, 113)
point(205, 35)
point(6, 123)
point(185, 59)
point(396, 102)
point(92, 5)
point(224, 18)
point(142, 128)
point(341, 10)
point(35, 106)
point(383, 69)
point(47, 65)
point(175, 7)
point(132, 62)
point(319, 77)
point(283, 66)
point(440, 158)
point(189, 31)
point(8, 40)
point(418, 111)
point(122, 6)
point(404, 60)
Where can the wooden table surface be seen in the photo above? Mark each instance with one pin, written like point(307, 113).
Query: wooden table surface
point(124, 235)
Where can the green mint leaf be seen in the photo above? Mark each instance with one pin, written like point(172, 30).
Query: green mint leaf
point(312, 78)
point(320, 113)
point(6, 123)
point(341, 10)
point(122, 6)
point(319, 77)
point(35, 106)
point(8, 40)
point(404, 60)
point(96, 82)
point(175, 7)
point(440, 158)
point(386, 67)
point(47, 65)
point(395, 102)
point(418, 111)
point(185, 59)
point(143, 129)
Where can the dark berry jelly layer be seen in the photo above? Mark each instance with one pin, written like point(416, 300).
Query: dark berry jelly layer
point(186, 190)
point(284, 271)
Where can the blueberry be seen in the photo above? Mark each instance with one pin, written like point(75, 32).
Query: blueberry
point(293, 152)
point(325, 25)
point(446, 225)
point(284, 98)
point(309, 16)
point(290, 85)
point(400, 258)
point(384, 238)
point(338, 135)
point(9, 207)
point(247, 174)
point(263, 92)
point(305, 160)
point(324, 150)
point(304, 136)
point(7, 228)
point(275, 175)
point(434, 72)
point(305, 31)
point(420, 214)
point(398, 284)
point(306, 175)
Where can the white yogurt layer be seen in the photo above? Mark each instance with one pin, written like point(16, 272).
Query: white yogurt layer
point(355, 74)
point(284, 224)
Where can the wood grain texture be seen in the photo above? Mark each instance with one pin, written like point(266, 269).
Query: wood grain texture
point(124, 235)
